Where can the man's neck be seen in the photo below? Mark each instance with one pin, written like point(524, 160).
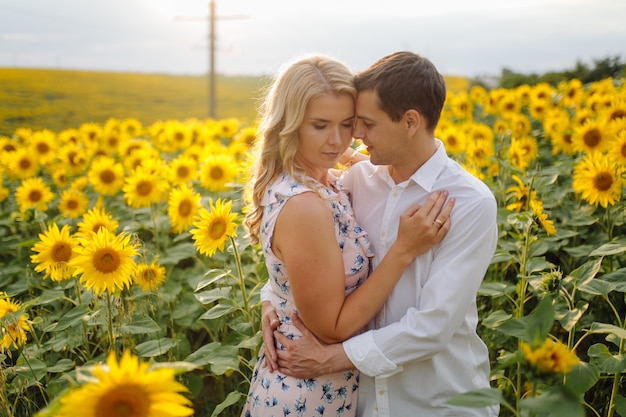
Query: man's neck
point(404, 169)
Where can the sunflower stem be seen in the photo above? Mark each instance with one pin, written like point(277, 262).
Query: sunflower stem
point(241, 281)
point(153, 215)
point(110, 323)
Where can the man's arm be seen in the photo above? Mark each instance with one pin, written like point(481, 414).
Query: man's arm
point(308, 357)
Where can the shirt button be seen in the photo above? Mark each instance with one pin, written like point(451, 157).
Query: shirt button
point(381, 392)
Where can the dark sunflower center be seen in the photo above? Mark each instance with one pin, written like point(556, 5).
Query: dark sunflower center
point(25, 164)
point(124, 401)
point(216, 173)
point(217, 229)
point(144, 188)
point(106, 260)
point(107, 176)
point(43, 148)
point(603, 181)
point(72, 204)
point(592, 138)
point(184, 208)
point(35, 196)
point(182, 171)
point(61, 252)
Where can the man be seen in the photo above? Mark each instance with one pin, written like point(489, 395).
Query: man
point(422, 348)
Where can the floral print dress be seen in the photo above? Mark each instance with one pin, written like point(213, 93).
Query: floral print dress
point(279, 395)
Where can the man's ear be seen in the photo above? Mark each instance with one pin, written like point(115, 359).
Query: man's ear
point(413, 120)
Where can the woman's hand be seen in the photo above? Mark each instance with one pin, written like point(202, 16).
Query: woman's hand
point(422, 227)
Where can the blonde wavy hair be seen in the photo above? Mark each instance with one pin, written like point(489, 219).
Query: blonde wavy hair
point(282, 112)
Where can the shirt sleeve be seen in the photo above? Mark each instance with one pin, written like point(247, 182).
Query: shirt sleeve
point(458, 267)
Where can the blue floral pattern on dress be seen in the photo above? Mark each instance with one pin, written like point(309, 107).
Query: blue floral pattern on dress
point(278, 395)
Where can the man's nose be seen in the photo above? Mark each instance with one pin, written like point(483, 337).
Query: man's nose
point(358, 131)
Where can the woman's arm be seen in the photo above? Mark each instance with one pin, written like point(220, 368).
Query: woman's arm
point(304, 238)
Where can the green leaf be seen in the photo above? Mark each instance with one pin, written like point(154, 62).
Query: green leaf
point(581, 378)
point(206, 297)
point(605, 361)
point(231, 399)
point(496, 319)
point(478, 398)
point(586, 272)
point(597, 287)
point(608, 328)
point(611, 248)
point(153, 348)
point(569, 318)
point(539, 322)
point(496, 289)
point(62, 366)
point(618, 279)
point(220, 358)
point(556, 402)
point(177, 253)
point(140, 325)
point(218, 311)
point(620, 405)
point(74, 317)
point(212, 276)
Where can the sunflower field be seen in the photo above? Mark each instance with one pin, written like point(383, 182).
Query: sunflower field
point(128, 286)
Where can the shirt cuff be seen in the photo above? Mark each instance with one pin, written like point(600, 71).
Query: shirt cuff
point(368, 358)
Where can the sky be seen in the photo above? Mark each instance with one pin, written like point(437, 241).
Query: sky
point(255, 37)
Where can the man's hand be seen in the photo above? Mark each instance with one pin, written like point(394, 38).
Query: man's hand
point(269, 323)
point(308, 357)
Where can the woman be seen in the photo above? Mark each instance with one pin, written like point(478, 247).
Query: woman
point(316, 254)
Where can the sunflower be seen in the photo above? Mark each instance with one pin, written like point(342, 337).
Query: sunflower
point(94, 220)
point(523, 151)
point(13, 324)
point(73, 203)
point(536, 207)
point(218, 171)
point(509, 105)
point(520, 125)
point(453, 139)
point(128, 388)
point(90, 134)
point(213, 227)
point(4, 192)
point(182, 207)
point(131, 127)
point(598, 180)
point(520, 195)
point(149, 276)
point(106, 176)
point(617, 149)
point(33, 194)
point(22, 164)
point(175, 136)
point(247, 136)
point(479, 153)
point(182, 170)
point(591, 136)
point(227, 128)
point(74, 158)
point(54, 252)
point(105, 261)
point(143, 188)
point(551, 357)
point(43, 146)
point(571, 93)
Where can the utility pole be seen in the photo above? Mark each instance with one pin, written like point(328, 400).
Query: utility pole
point(212, 19)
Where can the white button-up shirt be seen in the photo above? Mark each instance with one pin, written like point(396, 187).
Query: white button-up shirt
point(423, 348)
